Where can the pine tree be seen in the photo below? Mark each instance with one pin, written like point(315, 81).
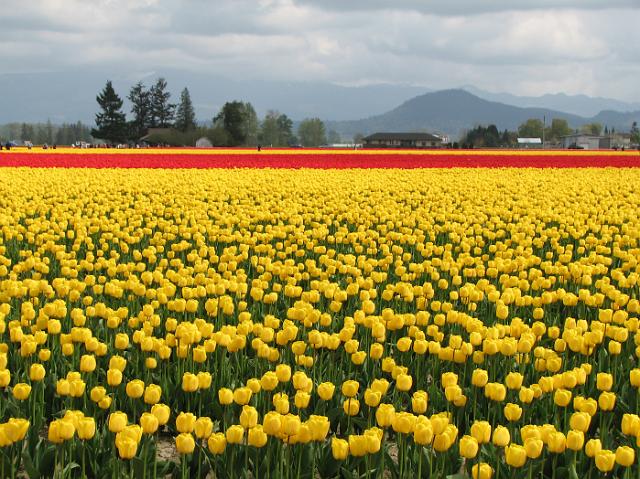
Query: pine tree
point(111, 121)
point(185, 115)
point(140, 99)
point(161, 110)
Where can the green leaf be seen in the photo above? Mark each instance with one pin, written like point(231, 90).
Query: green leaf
point(70, 467)
point(29, 467)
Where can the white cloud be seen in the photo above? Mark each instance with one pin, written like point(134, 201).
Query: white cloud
point(524, 47)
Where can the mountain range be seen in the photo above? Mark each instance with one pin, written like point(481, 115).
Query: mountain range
point(452, 112)
point(69, 96)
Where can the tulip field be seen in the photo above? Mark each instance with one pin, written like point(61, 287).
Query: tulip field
point(319, 314)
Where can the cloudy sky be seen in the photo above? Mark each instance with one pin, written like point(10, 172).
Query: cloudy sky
point(516, 46)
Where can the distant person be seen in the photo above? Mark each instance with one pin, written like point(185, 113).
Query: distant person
point(259, 147)
point(8, 146)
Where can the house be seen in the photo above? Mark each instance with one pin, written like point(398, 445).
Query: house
point(581, 141)
point(402, 140)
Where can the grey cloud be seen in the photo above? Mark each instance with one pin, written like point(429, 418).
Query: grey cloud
point(576, 46)
point(467, 7)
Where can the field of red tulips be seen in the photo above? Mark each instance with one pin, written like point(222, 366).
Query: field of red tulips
point(315, 158)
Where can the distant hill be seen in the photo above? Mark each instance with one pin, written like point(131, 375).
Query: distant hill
point(581, 105)
point(454, 111)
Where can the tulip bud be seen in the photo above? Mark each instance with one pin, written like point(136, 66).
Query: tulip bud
point(625, 456)
point(21, 391)
point(189, 382)
point(225, 396)
point(501, 436)
point(36, 372)
point(257, 437)
point(235, 434)
point(161, 412)
point(248, 417)
point(350, 388)
point(217, 443)
point(351, 407)
point(468, 447)
point(185, 444)
point(185, 422)
point(481, 471)
point(117, 421)
point(339, 449)
point(605, 460)
point(86, 428)
point(515, 455)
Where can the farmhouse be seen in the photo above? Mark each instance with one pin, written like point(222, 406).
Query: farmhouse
point(581, 141)
point(402, 140)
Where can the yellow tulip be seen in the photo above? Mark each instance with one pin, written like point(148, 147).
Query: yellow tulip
point(575, 440)
point(351, 407)
point(185, 444)
point(36, 372)
point(21, 391)
point(481, 471)
point(257, 437)
point(162, 413)
point(135, 389)
point(86, 428)
point(248, 417)
point(468, 447)
point(350, 388)
point(242, 396)
point(235, 434)
point(339, 449)
point(515, 455)
point(605, 460)
point(185, 422)
point(625, 456)
point(149, 423)
point(117, 421)
point(501, 436)
point(217, 443)
point(225, 396)
point(152, 394)
point(607, 401)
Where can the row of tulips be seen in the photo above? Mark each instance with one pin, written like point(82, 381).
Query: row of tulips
point(407, 323)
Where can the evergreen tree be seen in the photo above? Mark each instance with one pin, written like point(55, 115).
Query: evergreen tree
point(140, 99)
point(162, 111)
point(185, 115)
point(110, 121)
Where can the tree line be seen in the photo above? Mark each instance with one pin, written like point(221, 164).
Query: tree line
point(490, 137)
point(46, 133)
point(156, 120)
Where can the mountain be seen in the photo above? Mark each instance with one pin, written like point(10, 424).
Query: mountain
point(453, 111)
point(71, 95)
point(581, 105)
